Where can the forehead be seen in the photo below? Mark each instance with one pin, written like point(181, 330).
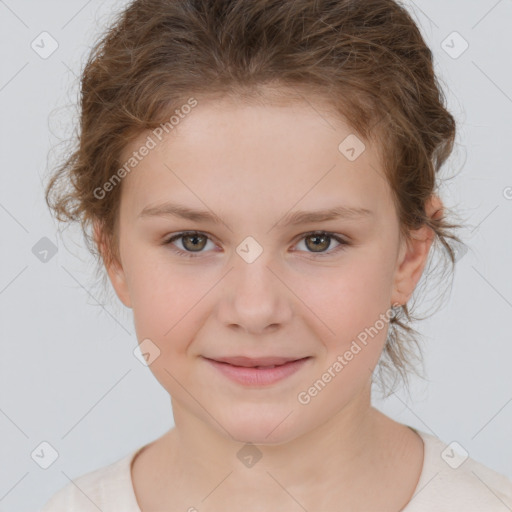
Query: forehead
point(257, 154)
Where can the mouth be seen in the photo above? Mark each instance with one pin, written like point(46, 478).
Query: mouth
point(257, 372)
point(256, 362)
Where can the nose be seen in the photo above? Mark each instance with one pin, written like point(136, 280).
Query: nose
point(254, 299)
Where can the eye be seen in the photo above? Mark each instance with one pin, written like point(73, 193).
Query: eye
point(320, 241)
point(194, 241)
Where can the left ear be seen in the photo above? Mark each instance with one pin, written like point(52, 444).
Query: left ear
point(414, 255)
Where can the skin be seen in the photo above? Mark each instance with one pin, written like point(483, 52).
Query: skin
point(250, 164)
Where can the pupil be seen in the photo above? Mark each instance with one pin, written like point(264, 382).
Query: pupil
point(318, 244)
point(194, 244)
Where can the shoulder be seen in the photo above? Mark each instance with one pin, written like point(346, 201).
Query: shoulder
point(107, 488)
point(451, 480)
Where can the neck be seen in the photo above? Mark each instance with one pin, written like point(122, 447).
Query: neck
point(338, 455)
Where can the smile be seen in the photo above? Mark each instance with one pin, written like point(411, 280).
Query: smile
point(258, 375)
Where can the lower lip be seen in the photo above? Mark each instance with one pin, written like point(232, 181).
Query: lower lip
point(258, 376)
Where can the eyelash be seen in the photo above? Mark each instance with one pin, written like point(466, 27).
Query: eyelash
point(343, 243)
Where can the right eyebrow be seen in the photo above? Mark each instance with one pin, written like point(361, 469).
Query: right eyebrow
point(176, 210)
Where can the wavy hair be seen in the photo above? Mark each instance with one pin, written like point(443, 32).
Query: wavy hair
point(367, 59)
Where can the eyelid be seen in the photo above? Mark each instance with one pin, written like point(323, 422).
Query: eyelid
point(341, 239)
point(176, 236)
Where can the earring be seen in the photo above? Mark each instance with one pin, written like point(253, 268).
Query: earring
point(395, 309)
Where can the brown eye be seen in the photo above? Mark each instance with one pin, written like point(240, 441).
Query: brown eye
point(319, 242)
point(194, 242)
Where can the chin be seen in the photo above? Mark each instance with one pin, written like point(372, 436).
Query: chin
point(259, 428)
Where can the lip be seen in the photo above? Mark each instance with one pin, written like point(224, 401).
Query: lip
point(255, 361)
point(258, 377)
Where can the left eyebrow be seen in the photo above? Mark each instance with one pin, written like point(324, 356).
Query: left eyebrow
point(292, 218)
point(339, 212)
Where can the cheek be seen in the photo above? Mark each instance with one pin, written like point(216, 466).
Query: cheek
point(159, 299)
point(168, 303)
point(349, 297)
point(353, 306)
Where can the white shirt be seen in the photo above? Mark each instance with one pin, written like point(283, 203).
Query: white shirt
point(448, 483)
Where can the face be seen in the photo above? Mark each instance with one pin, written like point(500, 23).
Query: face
point(252, 280)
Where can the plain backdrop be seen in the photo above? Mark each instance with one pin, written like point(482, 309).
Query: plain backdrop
point(68, 372)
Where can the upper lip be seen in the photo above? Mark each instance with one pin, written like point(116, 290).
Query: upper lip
point(256, 361)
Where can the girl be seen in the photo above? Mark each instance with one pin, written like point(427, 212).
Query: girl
point(259, 180)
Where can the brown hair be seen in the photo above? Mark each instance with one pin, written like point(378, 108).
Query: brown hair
point(367, 59)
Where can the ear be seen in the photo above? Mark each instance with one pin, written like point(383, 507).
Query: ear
point(414, 254)
point(113, 267)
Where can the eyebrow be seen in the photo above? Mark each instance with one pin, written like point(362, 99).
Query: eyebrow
point(292, 218)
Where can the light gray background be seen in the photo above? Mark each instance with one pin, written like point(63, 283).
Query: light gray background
point(68, 373)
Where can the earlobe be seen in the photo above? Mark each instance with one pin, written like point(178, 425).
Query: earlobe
point(414, 255)
point(113, 267)
point(411, 266)
point(118, 280)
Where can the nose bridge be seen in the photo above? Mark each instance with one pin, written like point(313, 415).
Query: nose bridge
point(251, 274)
point(253, 297)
